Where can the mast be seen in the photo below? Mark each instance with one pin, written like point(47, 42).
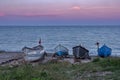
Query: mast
point(97, 45)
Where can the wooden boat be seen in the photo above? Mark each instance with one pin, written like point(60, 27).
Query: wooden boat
point(61, 50)
point(104, 51)
point(80, 52)
point(34, 54)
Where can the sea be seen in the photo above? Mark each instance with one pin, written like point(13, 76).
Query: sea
point(14, 38)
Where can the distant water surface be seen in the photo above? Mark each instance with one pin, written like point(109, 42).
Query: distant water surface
point(15, 38)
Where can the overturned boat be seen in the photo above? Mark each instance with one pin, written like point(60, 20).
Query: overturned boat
point(34, 54)
point(61, 51)
point(104, 51)
point(80, 52)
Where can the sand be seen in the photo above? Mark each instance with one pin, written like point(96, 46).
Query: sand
point(17, 58)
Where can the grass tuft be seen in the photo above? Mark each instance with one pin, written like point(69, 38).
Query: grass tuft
point(99, 69)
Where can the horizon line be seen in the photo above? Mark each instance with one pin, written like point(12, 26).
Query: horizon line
point(63, 25)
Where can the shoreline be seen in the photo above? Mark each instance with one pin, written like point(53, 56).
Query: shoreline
point(17, 58)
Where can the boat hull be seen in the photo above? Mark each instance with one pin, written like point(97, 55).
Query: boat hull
point(34, 56)
point(104, 51)
point(61, 53)
point(80, 52)
point(61, 50)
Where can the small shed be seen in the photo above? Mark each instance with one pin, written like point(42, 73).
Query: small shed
point(80, 52)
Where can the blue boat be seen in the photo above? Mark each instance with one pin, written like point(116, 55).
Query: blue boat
point(104, 51)
point(61, 50)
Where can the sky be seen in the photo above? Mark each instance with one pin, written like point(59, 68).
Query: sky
point(59, 12)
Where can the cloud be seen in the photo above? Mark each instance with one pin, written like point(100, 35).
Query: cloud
point(37, 15)
point(100, 7)
point(75, 8)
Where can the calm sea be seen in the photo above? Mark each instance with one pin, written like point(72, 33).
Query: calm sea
point(15, 38)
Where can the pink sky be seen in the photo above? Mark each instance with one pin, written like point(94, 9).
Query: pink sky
point(66, 9)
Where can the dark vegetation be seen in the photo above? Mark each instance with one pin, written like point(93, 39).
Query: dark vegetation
point(99, 69)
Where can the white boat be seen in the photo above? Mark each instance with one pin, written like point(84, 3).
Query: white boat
point(34, 54)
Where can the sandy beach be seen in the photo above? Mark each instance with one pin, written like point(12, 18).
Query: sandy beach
point(8, 57)
point(15, 58)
